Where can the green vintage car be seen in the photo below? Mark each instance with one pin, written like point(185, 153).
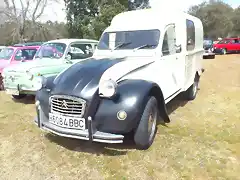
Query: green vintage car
point(51, 58)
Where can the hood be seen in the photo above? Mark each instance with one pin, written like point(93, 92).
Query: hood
point(82, 79)
point(39, 63)
point(3, 64)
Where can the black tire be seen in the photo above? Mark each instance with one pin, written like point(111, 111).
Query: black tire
point(145, 132)
point(20, 96)
point(191, 93)
point(212, 57)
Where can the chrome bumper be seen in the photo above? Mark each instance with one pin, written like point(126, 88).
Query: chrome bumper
point(208, 54)
point(90, 134)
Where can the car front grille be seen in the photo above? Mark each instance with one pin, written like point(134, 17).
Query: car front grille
point(67, 105)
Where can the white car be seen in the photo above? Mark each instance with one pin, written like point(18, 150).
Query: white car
point(1, 47)
point(141, 63)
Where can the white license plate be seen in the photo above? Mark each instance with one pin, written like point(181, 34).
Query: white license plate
point(12, 91)
point(67, 122)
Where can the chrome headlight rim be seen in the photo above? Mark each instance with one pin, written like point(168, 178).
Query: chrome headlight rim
point(39, 82)
point(29, 75)
point(108, 88)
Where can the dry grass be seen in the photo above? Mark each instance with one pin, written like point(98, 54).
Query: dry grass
point(201, 142)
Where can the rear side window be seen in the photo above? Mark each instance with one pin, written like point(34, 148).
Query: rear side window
point(190, 35)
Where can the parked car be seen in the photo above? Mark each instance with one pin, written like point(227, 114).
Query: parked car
point(51, 58)
point(1, 47)
point(208, 48)
point(28, 44)
point(138, 67)
point(13, 55)
point(227, 45)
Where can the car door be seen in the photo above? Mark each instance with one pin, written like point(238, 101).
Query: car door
point(170, 64)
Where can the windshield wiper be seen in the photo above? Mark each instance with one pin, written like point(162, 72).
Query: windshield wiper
point(122, 44)
point(145, 46)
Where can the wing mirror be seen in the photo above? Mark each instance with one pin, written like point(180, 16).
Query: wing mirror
point(23, 59)
point(178, 48)
point(68, 58)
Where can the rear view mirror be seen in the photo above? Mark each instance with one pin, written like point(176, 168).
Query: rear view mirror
point(178, 48)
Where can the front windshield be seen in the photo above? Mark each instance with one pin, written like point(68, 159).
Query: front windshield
point(207, 42)
point(129, 39)
point(225, 41)
point(51, 50)
point(6, 53)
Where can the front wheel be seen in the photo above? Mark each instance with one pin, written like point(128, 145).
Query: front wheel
point(147, 128)
point(224, 51)
point(20, 96)
point(191, 93)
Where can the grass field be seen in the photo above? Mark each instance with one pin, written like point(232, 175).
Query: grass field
point(201, 142)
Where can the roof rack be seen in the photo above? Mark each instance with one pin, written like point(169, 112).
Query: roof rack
point(28, 44)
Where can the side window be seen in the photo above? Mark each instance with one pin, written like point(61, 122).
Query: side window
point(18, 55)
point(169, 41)
point(190, 35)
point(27, 54)
point(80, 51)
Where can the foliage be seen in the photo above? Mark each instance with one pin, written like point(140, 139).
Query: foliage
point(219, 19)
point(88, 18)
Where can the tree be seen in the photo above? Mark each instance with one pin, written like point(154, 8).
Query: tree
point(216, 17)
point(88, 18)
point(28, 14)
point(236, 22)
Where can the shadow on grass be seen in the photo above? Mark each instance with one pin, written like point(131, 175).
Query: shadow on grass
point(93, 148)
point(29, 99)
point(109, 149)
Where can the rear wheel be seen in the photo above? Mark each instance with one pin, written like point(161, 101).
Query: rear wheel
point(147, 128)
point(20, 96)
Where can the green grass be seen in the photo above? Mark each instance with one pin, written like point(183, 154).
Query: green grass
point(201, 142)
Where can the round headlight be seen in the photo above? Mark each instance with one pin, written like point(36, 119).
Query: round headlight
point(39, 82)
point(107, 88)
point(29, 75)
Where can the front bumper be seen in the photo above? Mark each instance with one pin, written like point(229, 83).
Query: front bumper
point(22, 85)
point(90, 134)
point(208, 54)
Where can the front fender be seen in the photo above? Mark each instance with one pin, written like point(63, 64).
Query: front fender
point(132, 96)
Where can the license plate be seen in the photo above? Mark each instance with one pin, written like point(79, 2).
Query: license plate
point(12, 91)
point(67, 122)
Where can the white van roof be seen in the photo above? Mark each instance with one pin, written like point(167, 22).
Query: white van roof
point(147, 19)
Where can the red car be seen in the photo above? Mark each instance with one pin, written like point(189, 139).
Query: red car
point(14, 55)
point(227, 45)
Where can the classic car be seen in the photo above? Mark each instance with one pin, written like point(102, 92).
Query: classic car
point(29, 44)
point(51, 58)
point(13, 55)
point(137, 68)
point(208, 48)
point(227, 45)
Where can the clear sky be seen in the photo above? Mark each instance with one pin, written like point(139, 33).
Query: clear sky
point(55, 11)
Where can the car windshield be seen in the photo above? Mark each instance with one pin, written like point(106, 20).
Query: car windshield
point(51, 50)
point(6, 53)
point(146, 39)
point(207, 42)
point(225, 41)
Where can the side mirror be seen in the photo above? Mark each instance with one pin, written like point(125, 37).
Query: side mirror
point(178, 48)
point(23, 59)
point(68, 57)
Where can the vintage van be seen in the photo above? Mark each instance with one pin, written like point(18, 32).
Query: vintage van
point(143, 60)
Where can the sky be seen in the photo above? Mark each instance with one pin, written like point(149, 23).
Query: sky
point(55, 11)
